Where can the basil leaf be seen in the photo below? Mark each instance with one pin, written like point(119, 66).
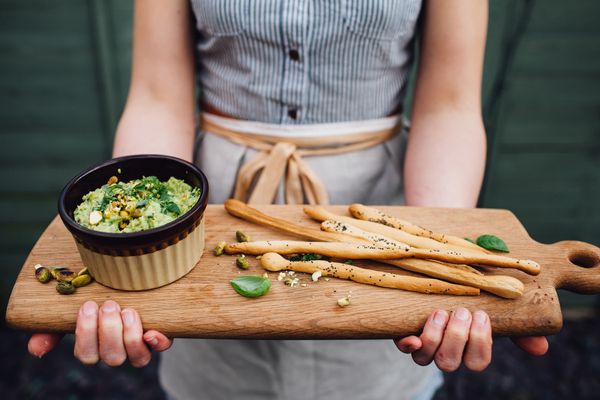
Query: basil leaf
point(172, 207)
point(491, 242)
point(306, 257)
point(251, 285)
point(470, 240)
point(349, 262)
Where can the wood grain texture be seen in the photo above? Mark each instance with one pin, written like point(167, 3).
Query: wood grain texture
point(203, 304)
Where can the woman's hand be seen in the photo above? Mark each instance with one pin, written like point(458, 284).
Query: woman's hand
point(108, 334)
point(451, 340)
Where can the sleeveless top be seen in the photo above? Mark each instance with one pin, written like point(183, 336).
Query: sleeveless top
point(301, 61)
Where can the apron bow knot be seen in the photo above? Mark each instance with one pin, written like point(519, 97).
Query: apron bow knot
point(258, 179)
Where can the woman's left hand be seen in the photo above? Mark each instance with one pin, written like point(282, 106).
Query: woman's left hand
point(451, 340)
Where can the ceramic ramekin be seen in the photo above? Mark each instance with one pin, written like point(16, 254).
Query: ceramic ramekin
point(146, 259)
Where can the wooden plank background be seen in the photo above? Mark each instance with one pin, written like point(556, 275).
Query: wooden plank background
point(64, 76)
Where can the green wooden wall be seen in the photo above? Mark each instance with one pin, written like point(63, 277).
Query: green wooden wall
point(64, 74)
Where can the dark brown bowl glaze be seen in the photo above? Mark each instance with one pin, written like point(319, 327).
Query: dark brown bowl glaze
point(133, 167)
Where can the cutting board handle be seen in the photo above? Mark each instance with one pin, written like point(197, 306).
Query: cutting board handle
point(580, 267)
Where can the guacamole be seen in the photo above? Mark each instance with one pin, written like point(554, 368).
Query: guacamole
point(136, 205)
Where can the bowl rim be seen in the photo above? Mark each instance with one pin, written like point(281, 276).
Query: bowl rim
point(75, 226)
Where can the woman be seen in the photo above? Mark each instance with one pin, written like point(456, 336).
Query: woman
point(295, 64)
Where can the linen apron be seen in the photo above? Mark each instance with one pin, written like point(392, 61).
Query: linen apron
point(301, 369)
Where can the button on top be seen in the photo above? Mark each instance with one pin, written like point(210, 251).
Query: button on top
point(294, 55)
point(293, 113)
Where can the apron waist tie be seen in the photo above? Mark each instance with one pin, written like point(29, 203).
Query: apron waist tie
point(278, 155)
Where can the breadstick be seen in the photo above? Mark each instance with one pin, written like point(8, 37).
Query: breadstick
point(274, 262)
point(374, 215)
point(364, 251)
point(242, 210)
point(348, 229)
point(453, 256)
point(377, 252)
point(425, 267)
point(503, 286)
point(321, 214)
point(500, 285)
point(335, 226)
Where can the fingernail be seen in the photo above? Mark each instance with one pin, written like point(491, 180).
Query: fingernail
point(152, 341)
point(128, 317)
point(439, 318)
point(462, 314)
point(109, 306)
point(89, 308)
point(479, 318)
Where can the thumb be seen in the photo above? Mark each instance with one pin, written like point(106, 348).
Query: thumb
point(41, 343)
point(534, 345)
point(157, 341)
point(409, 344)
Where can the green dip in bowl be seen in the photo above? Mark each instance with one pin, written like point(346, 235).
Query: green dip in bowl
point(134, 206)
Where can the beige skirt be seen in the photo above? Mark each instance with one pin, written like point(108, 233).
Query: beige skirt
point(307, 369)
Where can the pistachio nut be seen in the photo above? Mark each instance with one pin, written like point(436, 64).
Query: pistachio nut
point(54, 271)
point(65, 275)
point(63, 287)
point(42, 273)
point(241, 262)
point(219, 248)
point(81, 280)
point(241, 236)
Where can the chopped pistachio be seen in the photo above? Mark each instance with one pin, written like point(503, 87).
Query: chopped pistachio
point(291, 282)
point(219, 248)
point(265, 275)
point(241, 236)
point(316, 275)
point(241, 262)
point(95, 217)
point(344, 301)
point(281, 276)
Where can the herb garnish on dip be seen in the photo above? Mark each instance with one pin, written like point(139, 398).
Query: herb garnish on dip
point(136, 205)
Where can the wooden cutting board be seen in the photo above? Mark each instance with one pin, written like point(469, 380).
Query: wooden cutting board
point(203, 304)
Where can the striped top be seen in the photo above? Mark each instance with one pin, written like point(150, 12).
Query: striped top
point(304, 61)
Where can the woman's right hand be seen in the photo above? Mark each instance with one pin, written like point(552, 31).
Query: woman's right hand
point(106, 334)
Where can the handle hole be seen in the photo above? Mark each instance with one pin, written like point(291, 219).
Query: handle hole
point(584, 259)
